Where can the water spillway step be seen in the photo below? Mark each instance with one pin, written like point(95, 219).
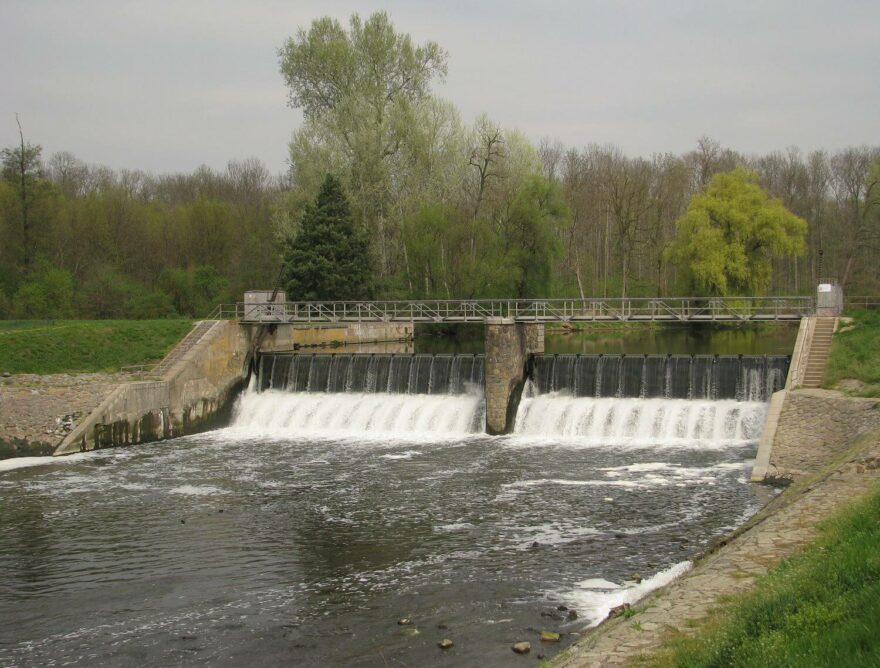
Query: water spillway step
point(360, 373)
point(713, 377)
point(641, 422)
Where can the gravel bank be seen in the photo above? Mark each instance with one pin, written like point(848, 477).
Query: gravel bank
point(37, 412)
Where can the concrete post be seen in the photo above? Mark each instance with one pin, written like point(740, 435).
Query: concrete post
point(508, 345)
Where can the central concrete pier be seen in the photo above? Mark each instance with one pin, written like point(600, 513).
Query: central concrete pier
point(508, 346)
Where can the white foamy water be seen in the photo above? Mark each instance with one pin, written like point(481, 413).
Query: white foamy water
point(662, 422)
point(595, 597)
point(195, 490)
point(290, 413)
point(26, 462)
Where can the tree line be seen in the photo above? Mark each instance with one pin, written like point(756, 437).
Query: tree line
point(443, 208)
point(91, 242)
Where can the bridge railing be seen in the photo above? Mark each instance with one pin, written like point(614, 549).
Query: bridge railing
point(532, 310)
point(861, 303)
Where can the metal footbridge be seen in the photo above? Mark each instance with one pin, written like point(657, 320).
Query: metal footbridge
point(672, 309)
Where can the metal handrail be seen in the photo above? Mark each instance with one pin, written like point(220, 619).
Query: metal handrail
point(531, 310)
point(861, 302)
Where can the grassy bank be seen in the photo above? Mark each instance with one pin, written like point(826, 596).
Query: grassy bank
point(854, 355)
point(67, 346)
point(819, 608)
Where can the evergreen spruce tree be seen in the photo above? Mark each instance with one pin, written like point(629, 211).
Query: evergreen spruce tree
point(328, 260)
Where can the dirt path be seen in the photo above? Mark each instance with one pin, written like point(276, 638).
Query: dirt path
point(786, 524)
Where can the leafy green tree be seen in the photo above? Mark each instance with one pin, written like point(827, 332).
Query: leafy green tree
point(537, 217)
point(328, 259)
point(726, 241)
point(365, 96)
point(49, 294)
point(21, 166)
point(149, 305)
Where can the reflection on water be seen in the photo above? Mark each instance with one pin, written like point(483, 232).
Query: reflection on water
point(770, 339)
point(676, 339)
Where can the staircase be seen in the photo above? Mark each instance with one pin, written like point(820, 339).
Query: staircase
point(189, 341)
point(820, 349)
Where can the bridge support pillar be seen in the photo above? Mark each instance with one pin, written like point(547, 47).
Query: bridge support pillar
point(508, 346)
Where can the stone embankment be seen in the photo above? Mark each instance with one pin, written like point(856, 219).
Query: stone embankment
point(829, 445)
point(815, 426)
point(37, 412)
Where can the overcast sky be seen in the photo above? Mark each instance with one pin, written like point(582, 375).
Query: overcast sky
point(168, 86)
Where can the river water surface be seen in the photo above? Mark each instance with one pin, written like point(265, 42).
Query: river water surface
point(281, 541)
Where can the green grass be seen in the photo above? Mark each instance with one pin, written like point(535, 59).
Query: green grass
point(855, 354)
point(819, 608)
point(68, 346)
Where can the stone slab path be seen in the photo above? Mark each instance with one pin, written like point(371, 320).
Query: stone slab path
point(786, 524)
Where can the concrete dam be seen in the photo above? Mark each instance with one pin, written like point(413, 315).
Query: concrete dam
point(192, 388)
point(642, 398)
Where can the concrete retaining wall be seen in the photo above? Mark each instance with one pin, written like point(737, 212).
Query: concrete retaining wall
point(186, 400)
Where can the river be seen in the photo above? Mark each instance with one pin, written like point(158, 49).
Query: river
point(304, 540)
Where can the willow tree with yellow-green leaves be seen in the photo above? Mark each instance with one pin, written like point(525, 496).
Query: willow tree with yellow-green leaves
point(726, 241)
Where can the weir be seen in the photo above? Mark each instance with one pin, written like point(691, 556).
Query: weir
point(644, 399)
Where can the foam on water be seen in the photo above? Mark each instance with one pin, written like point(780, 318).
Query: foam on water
point(281, 414)
point(595, 597)
point(196, 490)
point(640, 422)
point(26, 462)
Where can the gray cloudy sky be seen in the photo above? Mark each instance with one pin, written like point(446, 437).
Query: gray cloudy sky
point(169, 85)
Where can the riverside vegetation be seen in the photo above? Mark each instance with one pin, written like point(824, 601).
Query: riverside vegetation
point(447, 208)
point(819, 608)
point(854, 365)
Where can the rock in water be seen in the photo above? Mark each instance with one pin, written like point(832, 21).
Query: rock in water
point(522, 647)
point(404, 621)
point(549, 636)
point(446, 643)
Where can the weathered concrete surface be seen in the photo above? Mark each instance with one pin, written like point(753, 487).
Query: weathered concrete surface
point(832, 478)
point(288, 337)
point(184, 401)
point(38, 412)
point(508, 345)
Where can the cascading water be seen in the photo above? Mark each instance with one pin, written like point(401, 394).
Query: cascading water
point(372, 394)
point(650, 400)
point(641, 422)
point(711, 377)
